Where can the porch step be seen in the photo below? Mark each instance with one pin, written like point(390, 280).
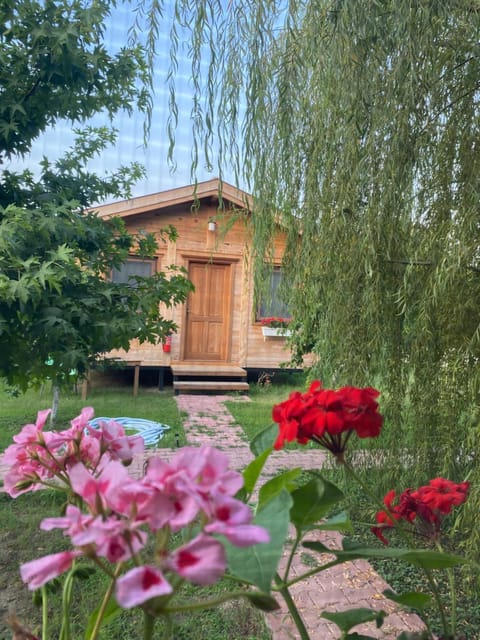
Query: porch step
point(209, 385)
point(208, 377)
point(207, 370)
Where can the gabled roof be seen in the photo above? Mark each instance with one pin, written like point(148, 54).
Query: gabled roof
point(211, 188)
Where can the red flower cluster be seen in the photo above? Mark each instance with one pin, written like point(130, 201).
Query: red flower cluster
point(328, 417)
point(425, 508)
point(275, 322)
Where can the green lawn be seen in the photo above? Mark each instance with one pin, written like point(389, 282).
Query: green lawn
point(22, 540)
point(159, 406)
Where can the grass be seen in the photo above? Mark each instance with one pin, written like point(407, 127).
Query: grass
point(21, 540)
point(159, 406)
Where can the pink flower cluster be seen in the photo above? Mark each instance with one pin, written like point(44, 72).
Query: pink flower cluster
point(38, 456)
point(194, 492)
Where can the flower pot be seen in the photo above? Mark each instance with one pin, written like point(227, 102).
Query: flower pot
point(276, 332)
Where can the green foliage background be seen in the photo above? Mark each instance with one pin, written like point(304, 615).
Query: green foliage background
point(356, 126)
point(59, 312)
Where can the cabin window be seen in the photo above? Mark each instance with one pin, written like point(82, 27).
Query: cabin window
point(271, 305)
point(133, 267)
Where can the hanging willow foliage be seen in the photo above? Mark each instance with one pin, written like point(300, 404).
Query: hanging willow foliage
point(355, 124)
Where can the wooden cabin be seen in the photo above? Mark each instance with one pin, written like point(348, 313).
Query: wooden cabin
point(220, 337)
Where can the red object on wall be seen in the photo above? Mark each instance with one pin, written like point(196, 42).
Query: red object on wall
point(167, 345)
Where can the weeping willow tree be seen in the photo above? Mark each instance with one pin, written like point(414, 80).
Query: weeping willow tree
point(355, 124)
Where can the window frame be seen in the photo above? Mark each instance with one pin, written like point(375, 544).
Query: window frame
point(135, 259)
point(270, 311)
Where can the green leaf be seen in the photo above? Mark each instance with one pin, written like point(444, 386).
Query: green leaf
point(339, 522)
point(253, 471)
point(418, 557)
point(412, 599)
point(313, 501)
point(345, 620)
point(112, 611)
point(262, 601)
point(264, 440)
point(275, 485)
point(258, 564)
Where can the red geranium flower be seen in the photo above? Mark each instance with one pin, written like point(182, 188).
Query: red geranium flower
point(328, 417)
point(424, 508)
point(442, 494)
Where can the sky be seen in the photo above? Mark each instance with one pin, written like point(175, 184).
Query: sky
point(130, 145)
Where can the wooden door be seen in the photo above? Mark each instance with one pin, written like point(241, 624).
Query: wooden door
point(208, 312)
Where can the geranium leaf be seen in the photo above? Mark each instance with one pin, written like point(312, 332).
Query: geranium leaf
point(313, 501)
point(253, 470)
point(413, 599)
point(112, 610)
point(262, 601)
point(418, 557)
point(258, 564)
point(264, 440)
point(339, 522)
point(345, 620)
point(275, 485)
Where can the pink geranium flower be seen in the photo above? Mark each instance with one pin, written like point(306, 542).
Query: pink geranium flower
point(205, 470)
point(74, 521)
point(116, 443)
point(29, 442)
point(201, 561)
point(112, 538)
point(139, 585)
point(231, 518)
point(95, 489)
point(38, 572)
point(22, 478)
point(76, 431)
point(31, 433)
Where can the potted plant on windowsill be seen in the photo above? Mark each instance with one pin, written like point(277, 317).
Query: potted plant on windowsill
point(275, 327)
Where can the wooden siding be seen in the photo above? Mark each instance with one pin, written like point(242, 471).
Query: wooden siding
point(229, 248)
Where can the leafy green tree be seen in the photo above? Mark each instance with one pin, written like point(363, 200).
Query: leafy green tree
point(59, 311)
point(356, 124)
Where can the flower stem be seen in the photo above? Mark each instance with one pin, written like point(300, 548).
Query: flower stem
point(65, 632)
point(206, 604)
point(103, 606)
point(148, 626)
point(294, 612)
point(290, 559)
point(453, 595)
point(44, 613)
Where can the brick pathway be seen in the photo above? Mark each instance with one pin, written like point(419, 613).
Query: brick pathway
point(350, 585)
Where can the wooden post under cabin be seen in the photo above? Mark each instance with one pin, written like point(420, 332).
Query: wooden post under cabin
point(136, 379)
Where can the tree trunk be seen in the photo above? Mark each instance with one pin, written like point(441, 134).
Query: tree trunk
point(55, 401)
